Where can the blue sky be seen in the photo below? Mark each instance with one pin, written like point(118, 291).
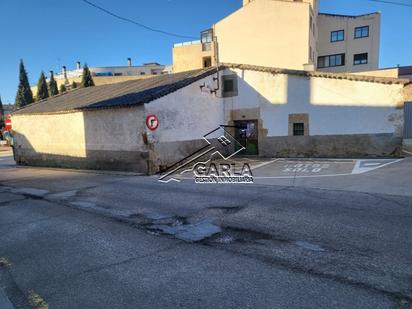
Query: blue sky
point(50, 33)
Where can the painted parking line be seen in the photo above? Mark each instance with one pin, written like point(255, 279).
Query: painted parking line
point(364, 166)
point(322, 168)
point(263, 164)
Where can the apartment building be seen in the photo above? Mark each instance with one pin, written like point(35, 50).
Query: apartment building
point(109, 74)
point(348, 43)
point(285, 34)
point(152, 68)
point(262, 32)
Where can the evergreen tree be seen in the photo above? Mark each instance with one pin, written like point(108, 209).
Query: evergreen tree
point(62, 88)
point(53, 85)
point(74, 85)
point(42, 90)
point(24, 95)
point(87, 80)
point(1, 115)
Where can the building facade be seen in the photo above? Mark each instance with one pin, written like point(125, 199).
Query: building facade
point(285, 34)
point(348, 43)
point(109, 75)
point(153, 68)
point(271, 112)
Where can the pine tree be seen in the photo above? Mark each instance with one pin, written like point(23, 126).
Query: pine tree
point(87, 80)
point(24, 95)
point(74, 85)
point(53, 85)
point(62, 88)
point(42, 90)
point(1, 115)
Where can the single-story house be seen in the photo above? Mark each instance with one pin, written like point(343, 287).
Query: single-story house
point(272, 112)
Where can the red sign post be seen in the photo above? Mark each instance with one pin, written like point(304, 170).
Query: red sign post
point(8, 124)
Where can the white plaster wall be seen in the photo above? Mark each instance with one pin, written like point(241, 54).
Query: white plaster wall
point(117, 129)
point(334, 106)
point(73, 134)
point(60, 134)
point(187, 114)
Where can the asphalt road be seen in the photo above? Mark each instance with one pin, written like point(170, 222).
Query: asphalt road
point(85, 240)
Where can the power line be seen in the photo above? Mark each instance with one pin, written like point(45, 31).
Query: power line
point(137, 23)
point(391, 2)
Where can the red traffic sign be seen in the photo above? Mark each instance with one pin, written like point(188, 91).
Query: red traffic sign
point(152, 122)
point(8, 123)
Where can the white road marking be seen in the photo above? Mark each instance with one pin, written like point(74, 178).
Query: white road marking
point(264, 164)
point(357, 169)
point(304, 176)
point(372, 164)
point(407, 152)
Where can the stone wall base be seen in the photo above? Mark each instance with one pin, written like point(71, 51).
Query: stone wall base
point(407, 147)
point(336, 146)
point(164, 155)
point(129, 161)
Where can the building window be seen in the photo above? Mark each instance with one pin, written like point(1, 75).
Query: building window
point(361, 32)
point(360, 59)
point(331, 61)
point(206, 38)
point(298, 124)
point(337, 36)
point(299, 129)
point(229, 86)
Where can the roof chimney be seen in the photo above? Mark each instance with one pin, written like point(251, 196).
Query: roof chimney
point(64, 72)
point(78, 65)
point(129, 62)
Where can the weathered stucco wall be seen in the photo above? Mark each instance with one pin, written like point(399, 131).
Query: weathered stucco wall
point(343, 118)
point(335, 107)
point(185, 116)
point(104, 139)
